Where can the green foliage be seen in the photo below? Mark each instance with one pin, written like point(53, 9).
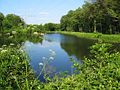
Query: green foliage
point(95, 36)
point(1, 22)
point(18, 37)
point(100, 72)
point(102, 68)
point(34, 28)
point(12, 21)
point(15, 71)
point(51, 27)
point(99, 16)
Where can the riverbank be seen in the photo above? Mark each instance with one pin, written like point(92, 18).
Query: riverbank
point(96, 36)
point(100, 72)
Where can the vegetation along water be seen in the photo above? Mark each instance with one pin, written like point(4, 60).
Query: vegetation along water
point(82, 52)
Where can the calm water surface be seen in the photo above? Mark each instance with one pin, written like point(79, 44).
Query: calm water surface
point(63, 46)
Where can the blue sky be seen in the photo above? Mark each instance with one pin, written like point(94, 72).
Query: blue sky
point(39, 11)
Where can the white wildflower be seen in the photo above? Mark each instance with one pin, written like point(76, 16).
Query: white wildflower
point(8, 34)
point(3, 51)
point(18, 58)
point(10, 37)
point(40, 64)
point(50, 50)
point(53, 53)
point(51, 58)
point(35, 33)
point(22, 50)
point(42, 34)
point(4, 45)
point(12, 44)
point(13, 32)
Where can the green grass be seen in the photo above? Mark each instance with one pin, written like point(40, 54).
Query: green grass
point(96, 36)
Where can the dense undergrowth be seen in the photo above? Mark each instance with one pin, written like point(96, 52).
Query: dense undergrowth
point(15, 71)
point(101, 71)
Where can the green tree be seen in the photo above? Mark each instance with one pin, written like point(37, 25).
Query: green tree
point(13, 21)
point(51, 27)
point(1, 22)
point(95, 16)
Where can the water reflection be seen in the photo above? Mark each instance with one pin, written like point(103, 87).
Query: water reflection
point(78, 47)
point(19, 39)
point(64, 46)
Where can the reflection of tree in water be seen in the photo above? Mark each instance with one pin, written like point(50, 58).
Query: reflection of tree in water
point(79, 47)
point(74, 46)
point(19, 39)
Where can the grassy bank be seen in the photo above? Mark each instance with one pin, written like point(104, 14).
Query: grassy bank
point(96, 36)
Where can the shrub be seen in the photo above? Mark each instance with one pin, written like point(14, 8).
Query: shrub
point(15, 71)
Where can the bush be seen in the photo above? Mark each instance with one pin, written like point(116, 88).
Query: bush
point(15, 71)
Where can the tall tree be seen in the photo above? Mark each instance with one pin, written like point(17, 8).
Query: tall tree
point(13, 21)
point(95, 16)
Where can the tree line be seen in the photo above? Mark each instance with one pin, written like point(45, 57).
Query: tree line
point(97, 16)
point(15, 22)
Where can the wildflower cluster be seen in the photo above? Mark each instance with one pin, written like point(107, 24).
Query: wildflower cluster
point(15, 72)
point(45, 68)
point(47, 60)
